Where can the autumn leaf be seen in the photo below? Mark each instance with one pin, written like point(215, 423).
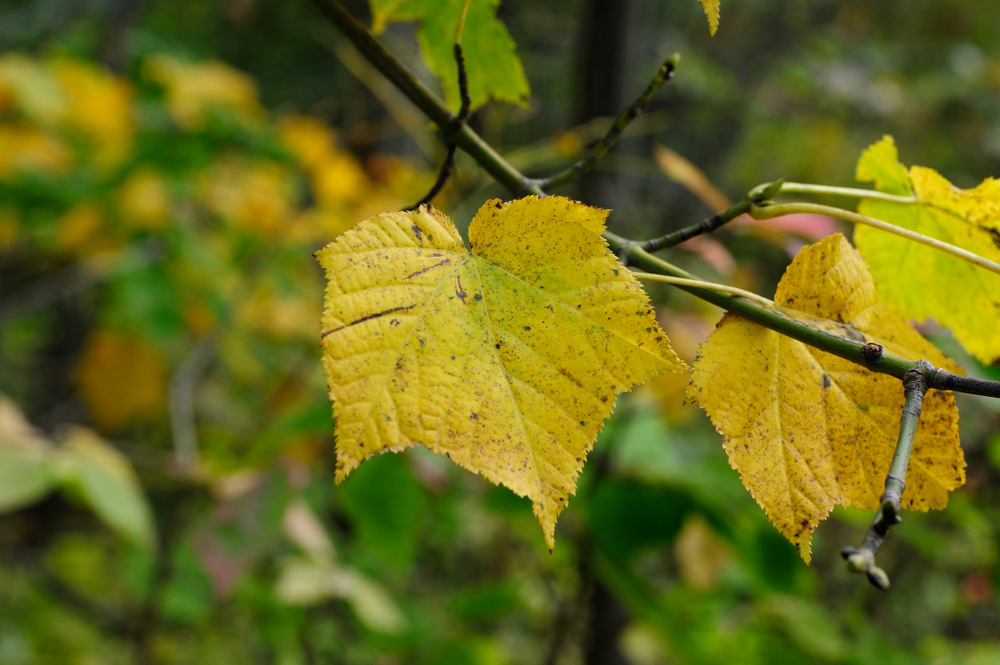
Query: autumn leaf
point(918, 281)
point(193, 90)
point(807, 430)
point(493, 68)
point(507, 359)
point(122, 380)
point(711, 8)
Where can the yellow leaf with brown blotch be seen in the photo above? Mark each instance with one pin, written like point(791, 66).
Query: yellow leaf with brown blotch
point(807, 430)
point(506, 358)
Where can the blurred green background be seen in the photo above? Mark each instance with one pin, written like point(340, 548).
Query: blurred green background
point(166, 450)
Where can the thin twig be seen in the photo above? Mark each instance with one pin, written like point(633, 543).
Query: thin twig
point(182, 412)
point(624, 119)
point(849, 349)
point(862, 559)
point(463, 113)
point(431, 106)
point(760, 212)
point(705, 226)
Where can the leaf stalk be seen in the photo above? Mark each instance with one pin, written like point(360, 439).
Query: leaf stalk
point(846, 192)
point(761, 212)
point(853, 350)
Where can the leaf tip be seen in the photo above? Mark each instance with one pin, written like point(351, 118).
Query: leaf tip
point(711, 8)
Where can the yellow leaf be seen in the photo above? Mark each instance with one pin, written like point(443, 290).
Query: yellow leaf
point(193, 90)
point(29, 149)
point(29, 87)
point(711, 8)
point(506, 358)
point(808, 431)
point(99, 107)
point(122, 380)
point(919, 281)
point(254, 195)
point(144, 200)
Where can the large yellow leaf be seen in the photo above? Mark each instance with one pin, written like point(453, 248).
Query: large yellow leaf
point(921, 282)
point(507, 359)
point(807, 430)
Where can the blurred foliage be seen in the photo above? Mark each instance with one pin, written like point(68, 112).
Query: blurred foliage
point(157, 288)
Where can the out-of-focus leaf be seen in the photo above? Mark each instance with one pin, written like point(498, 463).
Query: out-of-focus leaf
point(29, 87)
point(27, 472)
point(122, 380)
point(99, 109)
point(701, 554)
point(194, 90)
point(102, 478)
point(494, 70)
point(304, 529)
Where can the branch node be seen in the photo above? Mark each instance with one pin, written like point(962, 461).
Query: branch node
point(871, 352)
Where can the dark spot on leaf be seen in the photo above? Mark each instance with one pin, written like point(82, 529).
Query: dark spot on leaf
point(417, 232)
point(477, 297)
point(826, 380)
point(474, 416)
point(443, 262)
point(391, 310)
point(527, 327)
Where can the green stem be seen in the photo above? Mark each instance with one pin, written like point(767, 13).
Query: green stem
point(705, 226)
point(862, 559)
point(761, 212)
point(624, 119)
point(847, 192)
point(852, 350)
point(435, 109)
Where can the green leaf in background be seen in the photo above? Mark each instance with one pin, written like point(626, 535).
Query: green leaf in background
point(492, 65)
point(26, 460)
point(385, 503)
point(103, 479)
